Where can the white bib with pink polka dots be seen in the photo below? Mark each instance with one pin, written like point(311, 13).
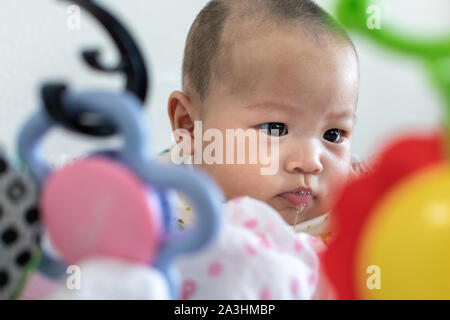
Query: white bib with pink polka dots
point(256, 255)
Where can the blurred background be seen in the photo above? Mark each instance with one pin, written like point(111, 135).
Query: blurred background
point(38, 45)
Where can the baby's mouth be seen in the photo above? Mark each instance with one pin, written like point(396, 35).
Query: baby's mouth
point(300, 198)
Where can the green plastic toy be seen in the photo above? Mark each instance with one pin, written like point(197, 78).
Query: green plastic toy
point(432, 52)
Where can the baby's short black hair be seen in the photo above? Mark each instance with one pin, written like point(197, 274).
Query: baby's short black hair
point(205, 54)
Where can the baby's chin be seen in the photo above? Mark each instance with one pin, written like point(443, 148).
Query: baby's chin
point(289, 212)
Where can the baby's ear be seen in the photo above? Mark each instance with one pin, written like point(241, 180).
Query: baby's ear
point(180, 112)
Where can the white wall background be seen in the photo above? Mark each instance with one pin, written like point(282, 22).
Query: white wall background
point(37, 45)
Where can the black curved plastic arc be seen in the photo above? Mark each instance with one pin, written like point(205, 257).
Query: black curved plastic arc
point(132, 65)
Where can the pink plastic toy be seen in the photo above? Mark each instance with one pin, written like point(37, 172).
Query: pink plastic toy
point(93, 220)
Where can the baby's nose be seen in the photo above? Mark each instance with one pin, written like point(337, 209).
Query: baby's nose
point(306, 159)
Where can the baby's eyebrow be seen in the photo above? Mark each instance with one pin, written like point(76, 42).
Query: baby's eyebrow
point(346, 114)
point(274, 106)
point(288, 108)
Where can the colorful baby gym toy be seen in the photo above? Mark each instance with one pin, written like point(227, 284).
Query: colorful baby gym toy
point(394, 241)
point(20, 228)
point(101, 207)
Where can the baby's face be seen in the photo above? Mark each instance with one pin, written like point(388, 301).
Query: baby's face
point(308, 91)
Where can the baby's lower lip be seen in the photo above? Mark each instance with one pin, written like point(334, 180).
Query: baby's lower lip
point(297, 199)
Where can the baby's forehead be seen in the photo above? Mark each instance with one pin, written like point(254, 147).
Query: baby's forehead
point(227, 32)
point(283, 54)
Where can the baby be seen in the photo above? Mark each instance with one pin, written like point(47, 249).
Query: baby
point(281, 68)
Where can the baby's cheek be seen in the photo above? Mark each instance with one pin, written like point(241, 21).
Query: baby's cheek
point(234, 180)
point(335, 181)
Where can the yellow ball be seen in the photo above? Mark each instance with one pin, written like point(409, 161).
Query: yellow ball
point(404, 252)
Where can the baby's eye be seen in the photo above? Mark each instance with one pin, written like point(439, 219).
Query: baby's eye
point(271, 128)
point(333, 135)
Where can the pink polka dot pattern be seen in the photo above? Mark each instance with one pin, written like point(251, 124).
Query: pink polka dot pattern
point(259, 239)
point(265, 242)
point(265, 294)
point(188, 289)
point(251, 223)
point(312, 279)
point(294, 286)
point(251, 250)
point(215, 269)
point(298, 245)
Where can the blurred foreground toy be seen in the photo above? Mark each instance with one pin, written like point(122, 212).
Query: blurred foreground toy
point(20, 228)
point(111, 210)
point(393, 226)
point(102, 207)
point(112, 279)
